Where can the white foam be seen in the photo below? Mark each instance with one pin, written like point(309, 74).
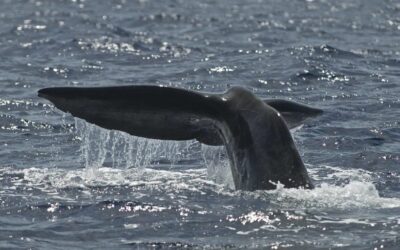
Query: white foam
point(355, 194)
point(339, 174)
point(86, 178)
point(114, 158)
point(341, 188)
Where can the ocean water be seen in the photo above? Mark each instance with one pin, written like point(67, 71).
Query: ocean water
point(66, 184)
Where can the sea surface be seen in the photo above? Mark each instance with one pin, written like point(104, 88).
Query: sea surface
point(67, 184)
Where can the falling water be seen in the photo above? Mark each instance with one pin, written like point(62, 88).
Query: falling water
point(116, 149)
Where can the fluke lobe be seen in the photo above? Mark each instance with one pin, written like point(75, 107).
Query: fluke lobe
point(257, 138)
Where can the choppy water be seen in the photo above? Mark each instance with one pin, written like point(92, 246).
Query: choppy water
point(65, 184)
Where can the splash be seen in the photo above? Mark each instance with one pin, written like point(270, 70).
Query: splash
point(115, 149)
point(218, 168)
point(113, 158)
point(51, 179)
point(104, 147)
point(339, 188)
point(353, 195)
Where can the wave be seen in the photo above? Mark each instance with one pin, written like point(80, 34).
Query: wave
point(115, 159)
point(356, 188)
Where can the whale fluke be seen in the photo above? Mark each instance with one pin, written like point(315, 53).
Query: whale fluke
point(294, 113)
point(257, 138)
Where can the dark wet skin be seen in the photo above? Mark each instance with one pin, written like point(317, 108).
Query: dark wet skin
point(254, 131)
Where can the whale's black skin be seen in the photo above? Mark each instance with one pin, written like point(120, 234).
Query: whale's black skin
point(258, 141)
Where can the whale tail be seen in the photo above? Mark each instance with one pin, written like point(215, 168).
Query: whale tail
point(237, 119)
point(127, 108)
point(294, 113)
point(146, 111)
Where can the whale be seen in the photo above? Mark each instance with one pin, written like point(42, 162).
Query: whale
point(255, 132)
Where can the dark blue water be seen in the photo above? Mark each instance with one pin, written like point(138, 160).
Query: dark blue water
point(65, 184)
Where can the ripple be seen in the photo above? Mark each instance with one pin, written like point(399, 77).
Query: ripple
point(334, 52)
point(106, 44)
point(60, 182)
